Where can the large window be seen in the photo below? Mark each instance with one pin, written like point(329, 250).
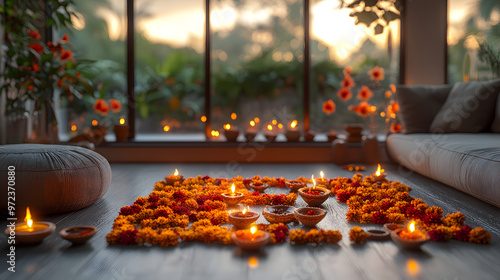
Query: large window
point(473, 40)
point(269, 61)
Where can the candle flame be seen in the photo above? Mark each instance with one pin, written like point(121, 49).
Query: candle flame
point(269, 127)
point(122, 121)
point(280, 125)
point(275, 122)
point(314, 181)
point(28, 219)
point(234, 116)
point(252, 123)
point(94, 122)
point(244, 210)
point(233, 188)
point(253, 230)
point(73, 128)
point(227, 126)
point(256, 119)
point(294, 124)
point(322, 175)
point(379, 171)
point(411, 226)
point(176, 172)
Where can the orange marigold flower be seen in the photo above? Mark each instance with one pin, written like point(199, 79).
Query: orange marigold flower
point(101, 107)
point(393, 108)
point(328, 107)
point(358, 235)
point(387, 94)
point(36, 68)
point(376, 74)
point(33, 34)
point(364, 93)
point(348, 71)
point(65, 39)
point(347, 82)
point(363, 109)
point(344, 94)
point(396, 127)
point(37, 47)
point(393, 88)
point(116, 106)
point(66, 54)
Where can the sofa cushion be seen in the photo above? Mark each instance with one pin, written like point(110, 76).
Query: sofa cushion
point(469, 108)
point(467, 162)
point(495, 126)
point(419, 105)
point(54, 178)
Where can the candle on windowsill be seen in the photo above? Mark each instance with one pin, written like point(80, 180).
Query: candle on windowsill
point(121, 131)
point(293, 133)
point(231, 132)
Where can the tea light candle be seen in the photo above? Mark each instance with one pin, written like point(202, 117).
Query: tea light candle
point(121, 131)
point(379, 176)
point(30, 232)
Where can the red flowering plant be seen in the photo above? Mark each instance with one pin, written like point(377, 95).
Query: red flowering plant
point(34, 67)
point(359, 96)
point(107, 112)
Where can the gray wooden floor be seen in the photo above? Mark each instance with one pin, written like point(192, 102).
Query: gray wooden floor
point(55, 258)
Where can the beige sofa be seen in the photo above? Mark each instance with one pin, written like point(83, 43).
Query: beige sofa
point(452, 135)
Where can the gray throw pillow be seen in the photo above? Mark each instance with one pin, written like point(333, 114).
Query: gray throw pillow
point(419, 104)
point(469, 108)
point(495, 126)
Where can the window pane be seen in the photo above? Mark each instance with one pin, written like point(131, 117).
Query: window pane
point(473, 40)
point(336, 43)
point(98, 36)
point(257, 54)
point(169, 47)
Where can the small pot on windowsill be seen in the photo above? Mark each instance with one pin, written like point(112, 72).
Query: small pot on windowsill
point(121, 132)
point(250, 135)
point(292, 135)
point(231, 134)
point(309, 136)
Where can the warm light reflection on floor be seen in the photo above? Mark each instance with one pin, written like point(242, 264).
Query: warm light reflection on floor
point(412, 268)
point(253, 262)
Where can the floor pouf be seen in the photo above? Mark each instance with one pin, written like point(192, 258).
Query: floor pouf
point(52, 178)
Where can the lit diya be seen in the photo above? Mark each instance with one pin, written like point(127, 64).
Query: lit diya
point(231, 132)
point(314, 196)
point(251, 131)
point(172, 178)
point(250, 239)
point(322, 181)
point(409, 238)
point(30, 232)
point(379, 175)
point(233, 197)
point(293, 134)
point(243, 218)
point(295, 185)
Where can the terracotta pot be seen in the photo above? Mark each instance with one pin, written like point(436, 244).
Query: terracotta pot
point(121, 133)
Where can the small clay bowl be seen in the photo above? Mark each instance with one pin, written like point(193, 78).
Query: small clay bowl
point(232, 199)
point(285, 216)
point(170, 181)
point(309, 136)
point(78, 234)
point(271, 137)
point(309, 220)
point(332, 137)
point(32, 237)
point(292, 135)
point(295, 186)
point(390, 227)
point(259, 188)
point(243, 222)
point(378, 234)
point(250, 135)
point(251, 244)
point(314, 200)
point(408, 244)
point(231, 135)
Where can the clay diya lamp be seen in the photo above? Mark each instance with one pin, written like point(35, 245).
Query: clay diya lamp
point(30, 232)
point(243, 219)
point(309, 136)
point(233, 197)
point(292, 134)
point(409, 238)
point(231, 133)
point(332, 136)
point(379, 175)
point(390, 227)
point(295, 185)
point(121, 131)
point(309, 216)
point(314, 196)
point(269, 134)
point(378, 234)
point(250, 239)
point(259, 187)
point(279, 214)
point(322, 182)
point(173, 178)
point(250, 135)
point(79, 234)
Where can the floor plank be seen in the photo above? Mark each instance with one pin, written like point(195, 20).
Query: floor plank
point(55, 258)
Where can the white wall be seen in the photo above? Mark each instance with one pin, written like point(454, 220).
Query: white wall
point(423, 53)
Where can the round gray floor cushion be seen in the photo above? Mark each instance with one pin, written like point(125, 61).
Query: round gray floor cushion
point(53, 178)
